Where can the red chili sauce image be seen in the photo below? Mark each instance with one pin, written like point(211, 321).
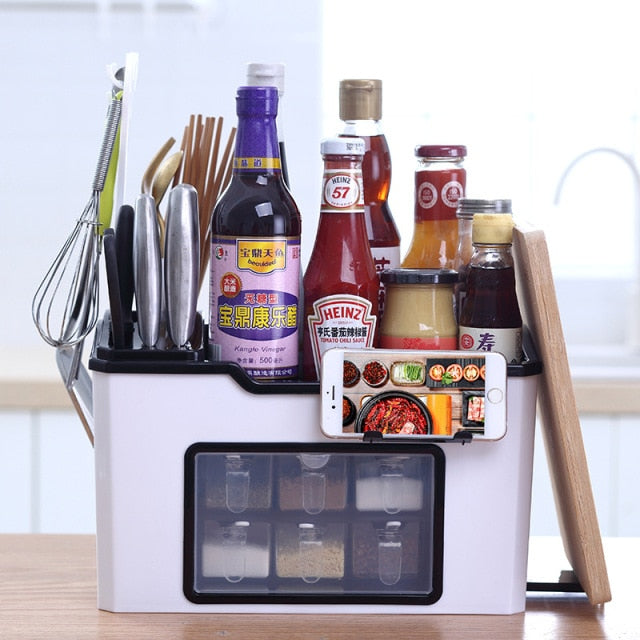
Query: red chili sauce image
point(394, 413)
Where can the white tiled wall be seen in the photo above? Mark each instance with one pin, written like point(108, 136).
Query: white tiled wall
point(47, 484)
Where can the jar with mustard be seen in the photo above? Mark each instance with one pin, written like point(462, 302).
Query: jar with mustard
point(419, 312)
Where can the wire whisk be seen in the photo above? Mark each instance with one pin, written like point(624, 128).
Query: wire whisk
point(65, 305)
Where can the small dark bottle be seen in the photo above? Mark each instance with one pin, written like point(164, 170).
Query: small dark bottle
point(490, 318)
point(467, 208)
point(255, 250)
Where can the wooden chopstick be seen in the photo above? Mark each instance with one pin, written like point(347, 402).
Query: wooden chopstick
point(203, 168)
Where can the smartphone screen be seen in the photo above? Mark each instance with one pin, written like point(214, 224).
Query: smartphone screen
point(432, 394)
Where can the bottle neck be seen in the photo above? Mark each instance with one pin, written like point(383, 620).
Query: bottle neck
point(257, 149)
point(491, 256)
point(362, 128)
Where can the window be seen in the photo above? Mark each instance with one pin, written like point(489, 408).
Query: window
point(528, 91)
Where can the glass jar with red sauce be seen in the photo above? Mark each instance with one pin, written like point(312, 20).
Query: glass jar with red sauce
point(340, 283)
point(440, 181)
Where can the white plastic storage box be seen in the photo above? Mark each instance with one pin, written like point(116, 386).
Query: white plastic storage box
point(219, 494)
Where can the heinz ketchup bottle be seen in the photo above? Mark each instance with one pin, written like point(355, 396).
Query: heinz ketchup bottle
point(361, 112)
point(340, 284)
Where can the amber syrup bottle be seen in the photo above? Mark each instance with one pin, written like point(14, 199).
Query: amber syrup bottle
point(440, 181)
point(361, 112)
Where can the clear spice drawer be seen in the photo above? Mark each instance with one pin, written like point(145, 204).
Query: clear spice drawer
point(313, 523)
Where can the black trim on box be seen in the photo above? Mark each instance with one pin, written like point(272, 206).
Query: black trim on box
point(138, 359)
point(326, 595)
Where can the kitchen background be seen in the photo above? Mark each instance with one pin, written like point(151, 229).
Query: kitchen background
point(544, 94)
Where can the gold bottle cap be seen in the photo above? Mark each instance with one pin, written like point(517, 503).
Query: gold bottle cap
point(360, 99)
point(492, 228)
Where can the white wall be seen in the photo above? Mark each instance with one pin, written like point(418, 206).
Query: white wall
point(505, 81)
point(55, 88)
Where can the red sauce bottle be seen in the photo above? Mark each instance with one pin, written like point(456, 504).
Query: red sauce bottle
point(340, 284)
point(361, 112)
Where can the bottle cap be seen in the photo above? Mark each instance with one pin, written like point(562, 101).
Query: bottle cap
point(441, 151)
point(360, 99)
point(257, 101)
point(419, 276)
point(467, 207)
point(262, 74)
point(342, 147)
point(492, 228)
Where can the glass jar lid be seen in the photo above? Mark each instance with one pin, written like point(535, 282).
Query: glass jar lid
point(467, 207)
point(441, 151)
point(419, 276)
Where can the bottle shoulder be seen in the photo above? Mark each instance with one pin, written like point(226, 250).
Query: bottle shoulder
point(256, 204)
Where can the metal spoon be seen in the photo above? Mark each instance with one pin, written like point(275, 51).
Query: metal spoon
point(161, 181)
point(150, 171)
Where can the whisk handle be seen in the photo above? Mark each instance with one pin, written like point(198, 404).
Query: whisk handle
point(108, 140)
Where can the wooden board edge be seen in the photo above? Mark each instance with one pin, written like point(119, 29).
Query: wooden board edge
point(559, 417)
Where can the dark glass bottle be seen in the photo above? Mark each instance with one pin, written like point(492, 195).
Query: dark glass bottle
point(340, 283)
point(467, 208)
point(361, 112)
point(490, 318)
point(255, 250)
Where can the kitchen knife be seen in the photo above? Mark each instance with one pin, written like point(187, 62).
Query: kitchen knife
point(113, 284)
point(124, 252)
point(182, 262)
point(147, 270)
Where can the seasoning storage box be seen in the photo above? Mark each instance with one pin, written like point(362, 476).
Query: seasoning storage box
point(219, 494)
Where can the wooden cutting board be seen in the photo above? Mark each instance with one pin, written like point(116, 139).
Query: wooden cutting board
point(558, 411)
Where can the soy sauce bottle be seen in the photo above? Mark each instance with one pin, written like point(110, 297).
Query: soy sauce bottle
point(490, 318)
point(255, 250)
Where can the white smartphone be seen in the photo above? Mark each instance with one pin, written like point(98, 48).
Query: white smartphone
point(413, 394)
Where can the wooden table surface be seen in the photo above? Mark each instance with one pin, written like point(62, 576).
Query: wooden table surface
point(48, 590)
